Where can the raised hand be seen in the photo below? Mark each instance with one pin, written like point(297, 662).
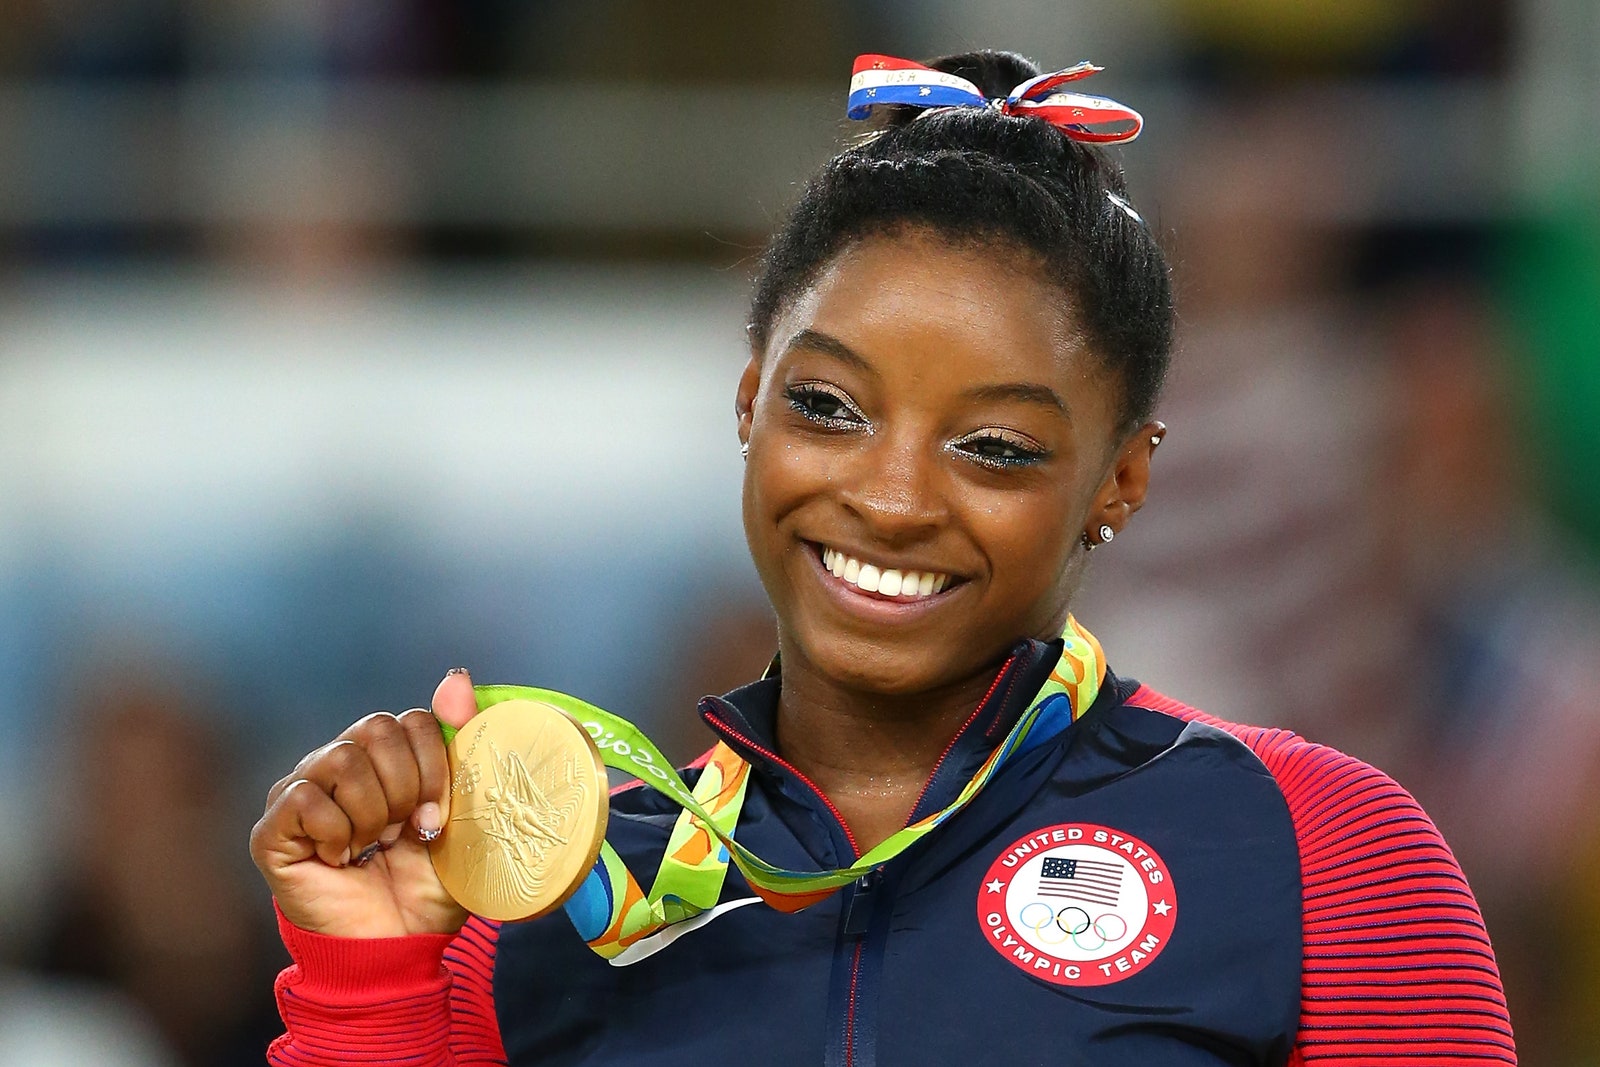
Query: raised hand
point(342, 843)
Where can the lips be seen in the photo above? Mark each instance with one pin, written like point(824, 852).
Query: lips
point(870, 577)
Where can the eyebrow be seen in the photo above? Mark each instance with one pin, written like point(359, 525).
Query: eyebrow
point(1028, 392)
point(832, 346)
point(1025, 391)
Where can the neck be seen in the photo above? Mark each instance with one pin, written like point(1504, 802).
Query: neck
point(871, 754)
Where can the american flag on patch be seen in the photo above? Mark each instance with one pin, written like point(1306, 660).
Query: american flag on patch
point(1091, 881)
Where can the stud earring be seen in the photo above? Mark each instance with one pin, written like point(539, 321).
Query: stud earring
point(1106, 535)
point(744, 450)
point(1154, 441)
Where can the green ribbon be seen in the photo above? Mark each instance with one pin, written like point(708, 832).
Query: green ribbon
point(612, 912)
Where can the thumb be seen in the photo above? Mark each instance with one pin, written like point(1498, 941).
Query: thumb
point(454, 702)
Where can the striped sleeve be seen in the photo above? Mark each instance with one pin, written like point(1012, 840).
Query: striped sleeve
point(1397, 968)
point(426, 1000)
point(474, 1028)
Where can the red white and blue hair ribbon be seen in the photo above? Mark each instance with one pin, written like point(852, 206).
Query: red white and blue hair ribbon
point(879, 80)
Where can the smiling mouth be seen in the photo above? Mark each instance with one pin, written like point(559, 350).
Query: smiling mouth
point(883, 581)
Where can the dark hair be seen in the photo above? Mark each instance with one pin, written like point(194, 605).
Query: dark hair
point(974, 174)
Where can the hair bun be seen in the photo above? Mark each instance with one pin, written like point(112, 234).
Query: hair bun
point(1015, 184)
point(994, 73)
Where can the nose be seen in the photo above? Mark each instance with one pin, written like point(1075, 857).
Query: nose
point(895, 489)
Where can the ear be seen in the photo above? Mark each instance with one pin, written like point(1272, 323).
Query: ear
point(1123, 491)
point(744, 399)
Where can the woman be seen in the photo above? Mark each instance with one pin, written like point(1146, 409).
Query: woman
point(957, 341)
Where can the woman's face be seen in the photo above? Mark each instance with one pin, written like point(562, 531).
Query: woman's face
point(925, 416)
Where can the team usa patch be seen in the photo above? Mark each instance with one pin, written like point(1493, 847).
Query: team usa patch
point(1078, 904)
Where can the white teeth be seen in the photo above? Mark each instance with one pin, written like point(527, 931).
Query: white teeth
point(885, 581)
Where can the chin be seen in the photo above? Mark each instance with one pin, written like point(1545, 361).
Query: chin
point(888, 668)
point(889, 679)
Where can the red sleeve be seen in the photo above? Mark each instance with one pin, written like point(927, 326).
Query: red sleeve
point(426, 1000)
point(1397, 967)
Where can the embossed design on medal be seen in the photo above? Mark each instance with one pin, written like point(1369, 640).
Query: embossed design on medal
point(528, 811)
point(522, 817)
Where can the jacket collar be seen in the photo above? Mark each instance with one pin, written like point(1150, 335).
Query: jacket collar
point(746, 720)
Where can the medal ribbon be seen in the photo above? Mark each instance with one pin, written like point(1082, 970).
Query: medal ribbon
point(611, 911)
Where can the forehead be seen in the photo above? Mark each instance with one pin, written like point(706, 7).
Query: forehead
point(968, 312)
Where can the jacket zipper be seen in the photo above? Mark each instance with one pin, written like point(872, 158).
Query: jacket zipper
point(933, 774)
point(857, 921)
point(858, 913)
point(855, 849)
point(868, 890)
point(850, 1012)
point(857, 918)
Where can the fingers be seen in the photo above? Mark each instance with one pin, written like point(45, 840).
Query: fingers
point(433, 771)
point(454, 701)
point(346, 772)
point(303, 821)
point(369, 775)
point(357, 793)
point(388, 748)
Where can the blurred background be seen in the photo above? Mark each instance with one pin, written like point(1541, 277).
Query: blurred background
point(341, 343)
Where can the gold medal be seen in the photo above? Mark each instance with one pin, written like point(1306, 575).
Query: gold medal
point(528, 807)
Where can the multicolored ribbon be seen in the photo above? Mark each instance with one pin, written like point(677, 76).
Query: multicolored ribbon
point(878, 80)
point(611, 912)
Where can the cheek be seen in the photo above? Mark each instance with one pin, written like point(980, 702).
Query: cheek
point(1029, 543)
point(787, 467)
point(780, 479)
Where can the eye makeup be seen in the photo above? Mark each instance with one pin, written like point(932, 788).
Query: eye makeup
point(999, 449)
point(826, 405)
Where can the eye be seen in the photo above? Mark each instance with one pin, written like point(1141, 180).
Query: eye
point(824, 404)
point(1000, 449)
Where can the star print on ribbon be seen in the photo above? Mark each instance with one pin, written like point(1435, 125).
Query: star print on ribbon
point(878, 80)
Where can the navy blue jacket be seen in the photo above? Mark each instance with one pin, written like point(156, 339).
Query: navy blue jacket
point(900, 968)
point(1152, 887)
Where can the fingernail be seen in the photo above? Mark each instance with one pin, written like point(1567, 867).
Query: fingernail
point(367, 854)
point(428, 820)
point(391, 834)
point(344, 860)
point(456, 670)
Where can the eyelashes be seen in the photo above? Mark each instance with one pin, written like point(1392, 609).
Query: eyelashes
point(999, 449)
point(825, 405)
point(996, 449)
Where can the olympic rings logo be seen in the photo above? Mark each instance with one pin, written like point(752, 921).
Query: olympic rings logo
point(1072, 923)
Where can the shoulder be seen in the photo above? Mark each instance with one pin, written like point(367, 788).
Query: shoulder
point(1395, 955)
point(1345, 811)
point(1330, 794)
